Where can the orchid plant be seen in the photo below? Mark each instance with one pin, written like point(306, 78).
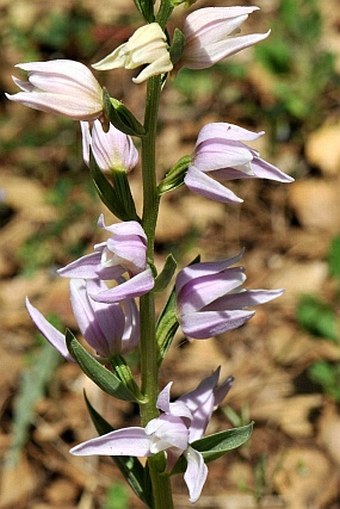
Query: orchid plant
point(113, 288)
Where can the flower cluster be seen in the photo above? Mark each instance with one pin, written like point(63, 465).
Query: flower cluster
point(208, 297)
point(181, 423)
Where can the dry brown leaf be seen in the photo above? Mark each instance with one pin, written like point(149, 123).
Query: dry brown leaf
point(61, 492)
point(305, 479)
point(291, 414)
point(289, 346)
point(298, 278)
point(323, 149)
point(24, 194)
point(17, 484)
point(329, 431)
point(316, 204)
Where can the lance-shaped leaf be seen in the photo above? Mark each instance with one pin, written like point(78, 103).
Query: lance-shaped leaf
point(131, 468)
point(216, 445)
point(164, 277)
point(101, 376)
point(111, 196)
point(167, 325)
point(145, 7)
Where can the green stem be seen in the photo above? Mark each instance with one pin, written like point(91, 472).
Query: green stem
point(161, 486)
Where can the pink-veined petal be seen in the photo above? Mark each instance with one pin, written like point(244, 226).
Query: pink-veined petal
point(205, 324)
point(202, 269)
point(243, 299)
point(228, 131)
point(203, 291)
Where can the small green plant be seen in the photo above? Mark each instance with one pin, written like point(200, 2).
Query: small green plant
point(116, 497)
point(327, 375)
point(301, 68)
point(319, 318)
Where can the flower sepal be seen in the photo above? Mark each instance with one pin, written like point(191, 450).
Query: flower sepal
point(101, 376)
point(121, 117)
point(216, 445)
point(175, 177)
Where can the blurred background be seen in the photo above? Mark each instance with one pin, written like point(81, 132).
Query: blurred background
point(286, 360)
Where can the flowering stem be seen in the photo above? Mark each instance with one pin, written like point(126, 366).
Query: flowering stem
point(148, 344)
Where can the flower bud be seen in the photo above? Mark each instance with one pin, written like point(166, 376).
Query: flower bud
point(112, 150)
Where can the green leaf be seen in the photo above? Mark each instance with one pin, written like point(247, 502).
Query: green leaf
point(167, 325)
point(317, 317)
point(175, 177)
point(121, 117)
point(145, 7)
point(327, 375)
point(130, 467)
point(177, 47)
point(164, 278)
point(124, 196)
point(216, 445)
point(101, 376)
point(118, 200)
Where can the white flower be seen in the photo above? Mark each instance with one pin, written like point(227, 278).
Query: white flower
point(148, 45)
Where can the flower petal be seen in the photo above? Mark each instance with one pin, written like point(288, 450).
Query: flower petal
point(135, 287)
point(205, 324)
point(202, 269)
point(203, 291)
point(201, 402)
point(124, 442)
point(195, 474)
point(53, 336)
point(245, 298)
point(202, 184)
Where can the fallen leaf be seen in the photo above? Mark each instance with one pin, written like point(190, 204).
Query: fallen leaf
point(323, 149)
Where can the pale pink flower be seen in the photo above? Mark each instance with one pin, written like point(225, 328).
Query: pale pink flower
point(60, 86)
point(208, 35)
